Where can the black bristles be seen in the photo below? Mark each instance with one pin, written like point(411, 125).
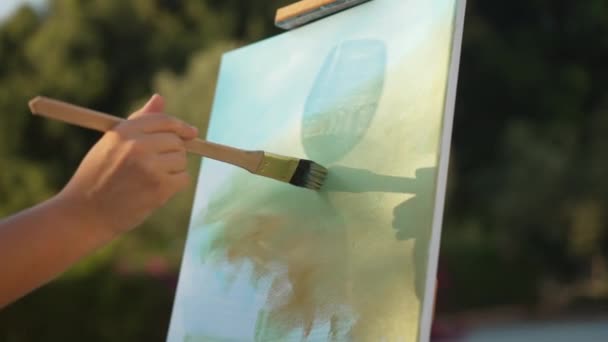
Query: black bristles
point(309, 175)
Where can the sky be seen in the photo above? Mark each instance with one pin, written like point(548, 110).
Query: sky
point(7, 7)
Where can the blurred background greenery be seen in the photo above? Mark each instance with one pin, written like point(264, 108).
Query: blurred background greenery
point(525, 231)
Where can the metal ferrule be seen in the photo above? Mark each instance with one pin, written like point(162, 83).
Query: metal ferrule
point(278, 167)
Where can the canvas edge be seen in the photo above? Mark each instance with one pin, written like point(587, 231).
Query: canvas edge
point(194, 204)
point(428, 305)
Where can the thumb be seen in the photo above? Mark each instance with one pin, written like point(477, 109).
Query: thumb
point(156, 104)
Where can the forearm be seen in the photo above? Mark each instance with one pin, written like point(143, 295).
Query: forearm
point(40, 243)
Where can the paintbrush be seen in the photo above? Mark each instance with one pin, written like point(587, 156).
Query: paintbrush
point(299, 172)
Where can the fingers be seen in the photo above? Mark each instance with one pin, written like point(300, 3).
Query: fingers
point(149, 119)
point(162, 123)
point(164, 142)
point(180, 180)
point(156, 104)
point(155, 134)
point(173, 163)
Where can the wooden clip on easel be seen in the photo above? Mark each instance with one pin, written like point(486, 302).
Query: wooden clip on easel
point(307, 11)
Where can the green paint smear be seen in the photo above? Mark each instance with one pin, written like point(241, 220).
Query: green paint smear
point(309, 237)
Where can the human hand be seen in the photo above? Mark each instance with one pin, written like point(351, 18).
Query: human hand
point(133, 170)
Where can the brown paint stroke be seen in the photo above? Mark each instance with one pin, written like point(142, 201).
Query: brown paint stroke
point(356, 273)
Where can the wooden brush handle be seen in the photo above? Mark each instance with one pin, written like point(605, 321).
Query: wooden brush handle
point(88, 118)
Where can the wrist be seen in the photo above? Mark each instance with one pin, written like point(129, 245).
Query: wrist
point(85, 215)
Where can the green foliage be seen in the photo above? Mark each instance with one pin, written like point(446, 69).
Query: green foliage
point(101, 305)
point(529, 143)
point(528, 180)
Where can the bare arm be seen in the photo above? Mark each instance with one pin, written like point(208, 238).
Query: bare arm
point(132, 171)
point(38, 244)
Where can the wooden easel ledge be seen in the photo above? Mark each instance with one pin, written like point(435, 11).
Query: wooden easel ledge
point(307, 11)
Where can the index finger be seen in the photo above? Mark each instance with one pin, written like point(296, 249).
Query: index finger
point(161, 123)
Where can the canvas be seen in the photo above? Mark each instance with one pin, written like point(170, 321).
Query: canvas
point(369, 94)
